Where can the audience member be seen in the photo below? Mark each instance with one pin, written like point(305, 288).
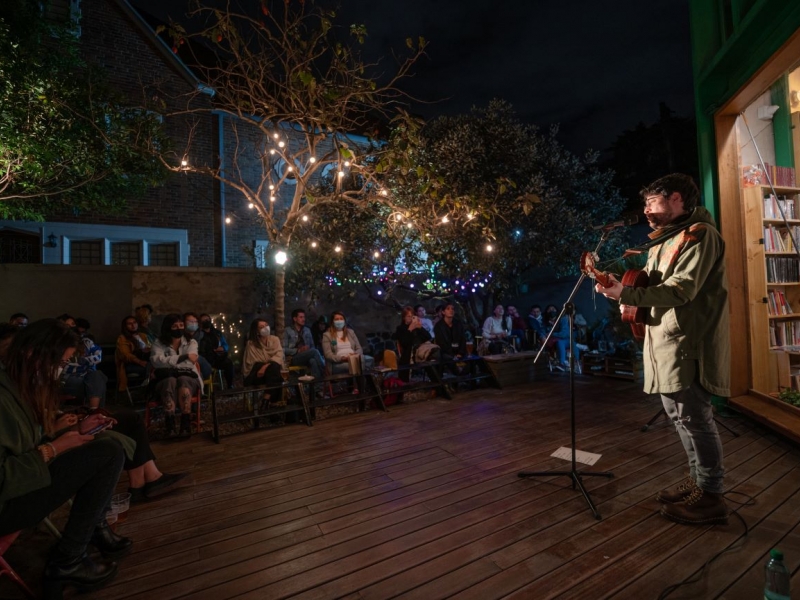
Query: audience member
point(339, 343)
point(409, 335)
point(426, 323)
point(191, 331)
point(44, 463)
point(80, 377)
point(19, 320)
point(174, 359)
point(318, 330)
point(518, 326)
point(82, 326)
point(536, 325)
point(561, 335)
point(214, 348)
point(263, 358)
point(438, 314)
point(495, 331)
point(132, 353)
point(144, 316)
point(298, 345)
point(450, 334)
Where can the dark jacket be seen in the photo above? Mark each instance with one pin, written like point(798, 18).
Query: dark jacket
point(409, 340)
point(451, 340)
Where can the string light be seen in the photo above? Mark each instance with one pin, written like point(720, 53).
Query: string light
point(184, 163)
point(305, 217)
point(272, 198)
point(312, 160)
point(250, 205)
point(489, 248)
point(337, 249)
point(445, 219)
point(281, 257)
point(275, 135)
point(376, 254)
point(271, 187)
point(313, 244)
point(341, 174)
point(347, 163)
point(272, 151)
point(228, 220)
point(281, 144)
point(384, 193)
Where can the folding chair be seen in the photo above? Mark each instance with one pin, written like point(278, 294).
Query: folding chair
point(5, 568)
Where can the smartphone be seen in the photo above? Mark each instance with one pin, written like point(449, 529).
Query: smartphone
point(99, 428)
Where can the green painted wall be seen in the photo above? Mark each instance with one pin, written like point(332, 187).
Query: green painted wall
point(728, 46)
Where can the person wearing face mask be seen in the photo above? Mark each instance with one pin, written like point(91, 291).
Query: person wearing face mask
point(339, 343)
point(173, 358)
point(263, 358)
point(80, 377)
point(192, 331)
point(19, 320)
point(132, 353)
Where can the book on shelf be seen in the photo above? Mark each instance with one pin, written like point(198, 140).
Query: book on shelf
point(780, 207)
point(784, 335)
point(777, 304)
point(779, 239)
point(783, 269)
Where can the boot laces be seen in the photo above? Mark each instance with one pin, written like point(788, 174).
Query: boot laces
point(692, 498)
point(689, 484)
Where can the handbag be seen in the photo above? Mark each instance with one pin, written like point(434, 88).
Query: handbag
point(425, 352)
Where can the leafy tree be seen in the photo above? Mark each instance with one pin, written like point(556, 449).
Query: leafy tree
point(66, 139)
point(302, 112)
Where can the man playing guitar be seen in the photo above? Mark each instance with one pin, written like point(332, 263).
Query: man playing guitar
point(687, 338)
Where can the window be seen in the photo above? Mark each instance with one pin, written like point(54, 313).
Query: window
point(260, 253)
point(19, 247)
point(86, 252)
point(163, 255)
point(126, 253)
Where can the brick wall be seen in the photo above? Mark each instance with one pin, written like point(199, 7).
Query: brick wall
point(111, 39)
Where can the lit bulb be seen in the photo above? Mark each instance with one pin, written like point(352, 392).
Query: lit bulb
point(337, 249)
point(305, 217)
point(384, 193)
point(290, 168)
point(312, 160)
point(380, 293)
point(313, 244)
point(280, 257)
point(228, 220)
point(341, 174)
point(376, 254)
point(272, 150)
point(281, 144)
point(250, 205)
point(275, 135)
point(347, 163)
point(489, 248)
point(398, 217)
point(272, 198)
point(470, 215)
point(410, 225)
point(445, 219)
point(184, 163)
point(271, 187)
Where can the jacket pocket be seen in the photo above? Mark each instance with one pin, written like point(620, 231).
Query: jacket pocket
point(670, 324)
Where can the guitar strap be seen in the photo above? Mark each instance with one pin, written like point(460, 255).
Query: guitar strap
point(642, 248)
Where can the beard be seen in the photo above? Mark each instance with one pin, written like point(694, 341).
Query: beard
point(658, 221)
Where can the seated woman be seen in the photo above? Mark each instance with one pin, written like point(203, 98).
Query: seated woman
point(409, 334)
point(174, 358)
point(496, 330)
point(45, 463)
point(263, 358)
point(144, 316)
point(339, 343)
point(132, 355)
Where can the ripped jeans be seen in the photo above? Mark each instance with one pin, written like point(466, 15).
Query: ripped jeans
point(691, 411)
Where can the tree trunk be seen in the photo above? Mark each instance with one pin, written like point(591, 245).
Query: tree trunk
point(280, 298)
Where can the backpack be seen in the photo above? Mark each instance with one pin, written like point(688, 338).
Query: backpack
point(392, 383)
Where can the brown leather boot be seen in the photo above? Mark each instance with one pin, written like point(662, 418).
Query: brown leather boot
point(699, 508)
point(679, 493)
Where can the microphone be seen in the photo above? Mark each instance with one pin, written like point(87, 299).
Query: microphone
point(624, 222)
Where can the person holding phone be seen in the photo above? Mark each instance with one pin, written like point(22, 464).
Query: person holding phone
point(46, 460)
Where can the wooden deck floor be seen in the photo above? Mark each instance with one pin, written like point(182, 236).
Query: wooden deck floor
point(424, 502)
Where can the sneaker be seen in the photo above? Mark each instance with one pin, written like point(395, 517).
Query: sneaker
point(559, 367)
point(699, 508)
point(679, 493)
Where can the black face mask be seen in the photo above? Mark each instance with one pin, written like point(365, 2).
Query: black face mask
point(206, 325)
point(175, 333)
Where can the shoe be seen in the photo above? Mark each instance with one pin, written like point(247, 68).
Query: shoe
point(677, 494)
point(81, 572)
point(699, 508)
point(169, 424)
point(162, 485)
point(137, 495)
point(186, 426)
point(109, 543)
point(355, 392)
point(559, 367)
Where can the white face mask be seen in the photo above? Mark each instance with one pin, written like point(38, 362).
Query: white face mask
point(339, 325)
point(264, 331)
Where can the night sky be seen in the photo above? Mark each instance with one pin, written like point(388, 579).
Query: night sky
point(596, 68)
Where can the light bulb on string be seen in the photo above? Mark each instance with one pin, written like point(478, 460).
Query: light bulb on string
point(281, 257)
point(384, 193)
point(272, 151)
point(341, 174)
point(313, 244)
point(337, 249)
point(271, 187)
point(445, 219)
point(250, 205)
point(227, 220)
point(489, 248)
point(281, 144)
point(272, 198)
point(376, 254)
point(184, 163)
point(347, 163)
point(275, 135)
point(312, 160)
point(305, 217)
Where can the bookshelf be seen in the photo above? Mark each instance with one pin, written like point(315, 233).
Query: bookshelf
point(773, 276)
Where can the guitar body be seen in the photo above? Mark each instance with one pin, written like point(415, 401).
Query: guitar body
point(635, 316)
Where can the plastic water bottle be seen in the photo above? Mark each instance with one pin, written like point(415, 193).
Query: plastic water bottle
point(776, 577)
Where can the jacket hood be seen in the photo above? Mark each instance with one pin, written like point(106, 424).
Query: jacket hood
point(699, 215)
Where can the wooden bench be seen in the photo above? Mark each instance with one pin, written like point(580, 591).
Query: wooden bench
point(252, 404)
point(514, 369)
point(368, 389)
point(473, 365)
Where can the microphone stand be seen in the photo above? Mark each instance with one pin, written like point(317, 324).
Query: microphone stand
point(573, 474)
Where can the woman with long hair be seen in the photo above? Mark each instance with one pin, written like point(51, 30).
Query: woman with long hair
point(340, 342)
point(44, 462)
point(410, 333)
point(132, 354)
point(263, 357)
point(174, 358)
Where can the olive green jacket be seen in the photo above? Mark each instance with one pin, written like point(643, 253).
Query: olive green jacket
point(687, 333)
point(22, 468)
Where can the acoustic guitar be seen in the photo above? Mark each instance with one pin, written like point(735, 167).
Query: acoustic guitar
point(636, 316)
